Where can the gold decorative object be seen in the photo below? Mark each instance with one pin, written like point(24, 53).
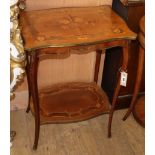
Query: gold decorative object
point(17, 54)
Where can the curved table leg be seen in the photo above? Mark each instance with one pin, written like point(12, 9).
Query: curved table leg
point(97, 64)
point(34, 88)
point(28, 81)
point(117, 88)
point(137, 82)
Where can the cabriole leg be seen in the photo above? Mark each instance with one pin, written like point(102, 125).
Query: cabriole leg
point(117, 88)
point(28, 81)
point(34, 91)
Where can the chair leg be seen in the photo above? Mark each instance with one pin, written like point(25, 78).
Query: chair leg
point(137, 82)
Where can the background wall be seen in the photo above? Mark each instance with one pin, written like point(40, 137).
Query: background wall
point(74, 68)
point(44, 4)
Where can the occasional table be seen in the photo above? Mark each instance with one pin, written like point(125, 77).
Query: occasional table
point(61, 32)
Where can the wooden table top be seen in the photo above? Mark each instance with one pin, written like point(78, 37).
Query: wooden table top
point(72, 26)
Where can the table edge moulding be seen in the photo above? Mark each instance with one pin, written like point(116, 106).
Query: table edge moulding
point(61, 32)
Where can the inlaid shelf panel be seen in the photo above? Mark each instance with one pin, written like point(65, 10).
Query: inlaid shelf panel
point(70, 102)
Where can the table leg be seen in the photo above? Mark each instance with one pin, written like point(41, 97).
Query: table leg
point(117, 88)
point(28, 81)
point(34, 90)
point(97, 64)
point(137, 82)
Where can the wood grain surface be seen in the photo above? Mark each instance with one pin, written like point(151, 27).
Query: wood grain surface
point(71, 102)
point(72, 27)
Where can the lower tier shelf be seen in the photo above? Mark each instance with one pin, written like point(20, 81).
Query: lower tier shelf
point(71, 102)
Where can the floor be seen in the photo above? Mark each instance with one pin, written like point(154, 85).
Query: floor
point(83, 138)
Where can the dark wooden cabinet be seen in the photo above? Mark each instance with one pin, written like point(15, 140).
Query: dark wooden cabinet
point(131, 11)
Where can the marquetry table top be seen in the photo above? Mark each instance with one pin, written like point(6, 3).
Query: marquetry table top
point(72, 26)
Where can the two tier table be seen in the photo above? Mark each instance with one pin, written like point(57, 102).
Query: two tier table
point(64, 31)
